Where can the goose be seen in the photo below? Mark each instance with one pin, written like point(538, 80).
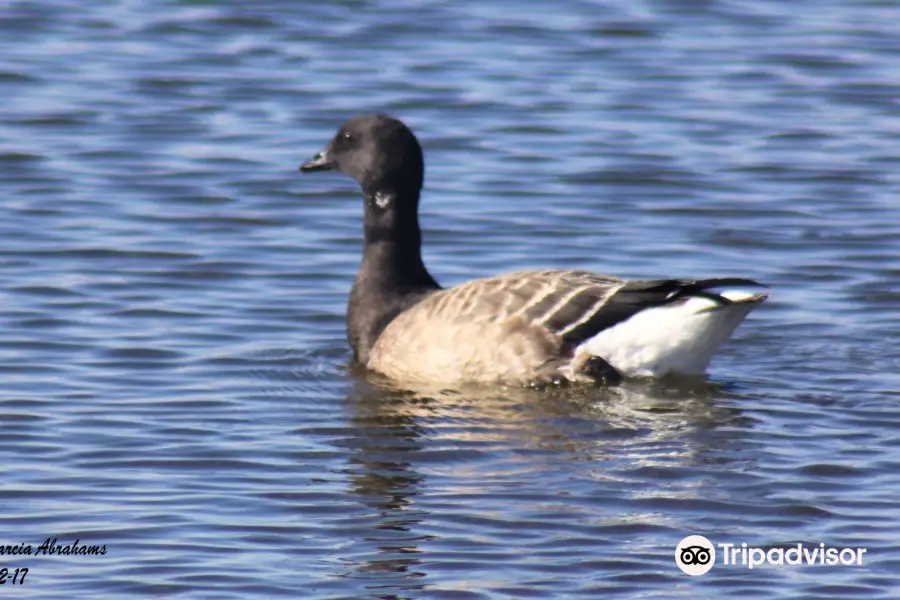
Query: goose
point(528, 327)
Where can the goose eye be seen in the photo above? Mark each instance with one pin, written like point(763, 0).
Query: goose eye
point(347, 136)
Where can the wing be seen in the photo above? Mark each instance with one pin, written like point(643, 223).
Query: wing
point(636, 296)
point(557, 301)
point(573, 305)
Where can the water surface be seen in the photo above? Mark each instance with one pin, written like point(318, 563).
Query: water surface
point(175, 380)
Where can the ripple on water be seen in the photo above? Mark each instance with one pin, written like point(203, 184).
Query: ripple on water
point(175, 370)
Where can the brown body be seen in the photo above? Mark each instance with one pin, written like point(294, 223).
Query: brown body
point(505, 328)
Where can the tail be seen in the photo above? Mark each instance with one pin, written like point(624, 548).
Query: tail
point(704, 288)
point(681, 333)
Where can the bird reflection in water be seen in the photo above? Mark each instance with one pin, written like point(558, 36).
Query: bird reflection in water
point(414, 447)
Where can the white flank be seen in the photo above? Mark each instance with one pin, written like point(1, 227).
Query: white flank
point(676, 338)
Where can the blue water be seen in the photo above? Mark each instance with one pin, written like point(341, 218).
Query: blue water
point(174, 371)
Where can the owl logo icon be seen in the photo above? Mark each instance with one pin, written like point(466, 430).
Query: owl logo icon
point(695, 555)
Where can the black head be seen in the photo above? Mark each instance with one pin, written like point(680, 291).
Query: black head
point(384, 156)
point(378, 151)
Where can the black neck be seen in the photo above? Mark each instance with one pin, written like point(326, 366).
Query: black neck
point(392, 276)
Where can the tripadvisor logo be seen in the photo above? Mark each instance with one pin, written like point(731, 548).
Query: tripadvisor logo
point(696, 555)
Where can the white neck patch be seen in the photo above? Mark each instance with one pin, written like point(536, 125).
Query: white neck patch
point(382, 199)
